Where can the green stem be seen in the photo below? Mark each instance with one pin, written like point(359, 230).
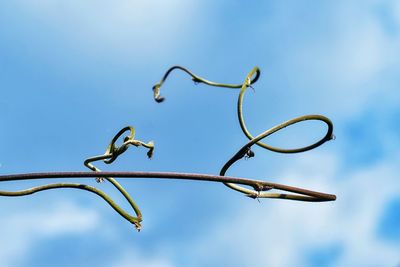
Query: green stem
point(328, 136)
point(245, 151)
point(33, 190)
point(195, 78)
point(111, 154)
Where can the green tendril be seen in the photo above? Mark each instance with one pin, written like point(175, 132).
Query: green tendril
point(197, 79)
point(245, 151)
point(251, 188)
point(91, 189)
point(111, 154)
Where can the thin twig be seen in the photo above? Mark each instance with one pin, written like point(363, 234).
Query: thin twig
point(257, 184)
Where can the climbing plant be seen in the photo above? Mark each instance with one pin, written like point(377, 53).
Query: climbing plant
point(248, 187)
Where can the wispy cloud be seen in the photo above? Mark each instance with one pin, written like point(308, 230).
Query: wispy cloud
point(285, 234)
point(21, 231)
point(339, 58)
point(132, 258)
point(139, 30)
point(342, 60)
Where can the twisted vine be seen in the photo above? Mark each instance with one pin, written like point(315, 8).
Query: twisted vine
point(246, 151)
point(260, 189)
point(111, 154)
point(196, 79)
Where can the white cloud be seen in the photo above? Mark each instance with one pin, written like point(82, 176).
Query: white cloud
point(281, 233)
point(21, 231)
point(142, 29)
point(274, 233)
point(395, 9)
point(343, 65)
point(131, 258)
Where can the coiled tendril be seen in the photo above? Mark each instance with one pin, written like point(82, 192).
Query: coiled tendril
point(246, 151)
point(111, 154)
point(113, 151)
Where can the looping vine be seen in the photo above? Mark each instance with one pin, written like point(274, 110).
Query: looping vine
point(245, 151)
point(113, 151)
point(328, 136)
point(259, 189)
point(196, 79)
point(111, 154)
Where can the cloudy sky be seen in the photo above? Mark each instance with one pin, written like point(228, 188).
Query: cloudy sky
point(72, 73)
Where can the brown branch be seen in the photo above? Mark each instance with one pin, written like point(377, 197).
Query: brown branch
point(257, 185)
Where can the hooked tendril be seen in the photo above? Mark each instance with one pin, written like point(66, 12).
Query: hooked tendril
point(260, 189)
point(245, 151)
point(197, 79)
point(111, 154)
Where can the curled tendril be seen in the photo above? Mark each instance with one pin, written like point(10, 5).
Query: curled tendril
point(246, 152)
point(85, 187)
point(196, 79)
point(328, 136)
point(111, 154)
point(260, 189)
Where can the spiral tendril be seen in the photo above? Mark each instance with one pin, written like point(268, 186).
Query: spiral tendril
point(259, 189)
point(245, 151)
point(111, 154)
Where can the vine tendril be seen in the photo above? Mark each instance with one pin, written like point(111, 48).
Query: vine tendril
point(260, 189)
point(111, 154)
point(245, 151)
point(85, 187)
point(328, 136)
point(196, 79)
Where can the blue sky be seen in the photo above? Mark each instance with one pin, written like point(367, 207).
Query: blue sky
point(72, 73)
